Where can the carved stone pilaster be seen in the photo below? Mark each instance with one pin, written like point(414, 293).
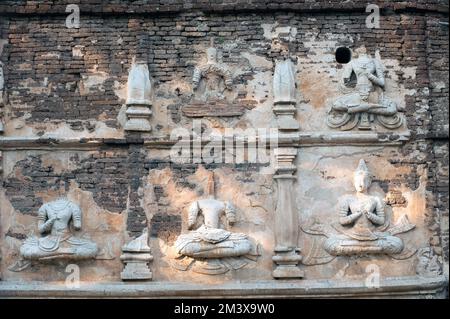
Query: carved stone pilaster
point(139, 98)
point(287, 254)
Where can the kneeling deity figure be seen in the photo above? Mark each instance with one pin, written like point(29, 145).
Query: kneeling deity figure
point(213, 250)
point(364, 104)
point(58, 242)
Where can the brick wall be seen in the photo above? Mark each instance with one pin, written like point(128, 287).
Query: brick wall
point(438, 68)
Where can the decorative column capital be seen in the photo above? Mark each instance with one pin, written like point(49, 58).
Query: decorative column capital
point(285, 157)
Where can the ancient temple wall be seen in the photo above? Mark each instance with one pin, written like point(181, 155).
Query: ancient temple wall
point(65, 112)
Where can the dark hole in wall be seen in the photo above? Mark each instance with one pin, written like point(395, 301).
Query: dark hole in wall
point(343, 55)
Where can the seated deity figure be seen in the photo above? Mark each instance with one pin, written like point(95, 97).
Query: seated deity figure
point(362, 219)
point(58, 241)
point(211, 79)
point(365, 100)
point(209, 244)
point(209, 241)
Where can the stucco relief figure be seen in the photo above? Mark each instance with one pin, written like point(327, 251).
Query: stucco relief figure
point(58, 242)
point(360, 215)
point(363, 227)
point(213, 96)
point(211, 79)
point(284, 80)
point(213, 250)
point(366, 101)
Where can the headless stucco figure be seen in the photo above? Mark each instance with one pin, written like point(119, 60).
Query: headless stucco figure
point(58, 242)
point(360, 215)
point(209, 241)
point(365, 100)
point(209, 244)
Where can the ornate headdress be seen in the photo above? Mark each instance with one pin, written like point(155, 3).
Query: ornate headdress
point(362, 168)
point(212, 50)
